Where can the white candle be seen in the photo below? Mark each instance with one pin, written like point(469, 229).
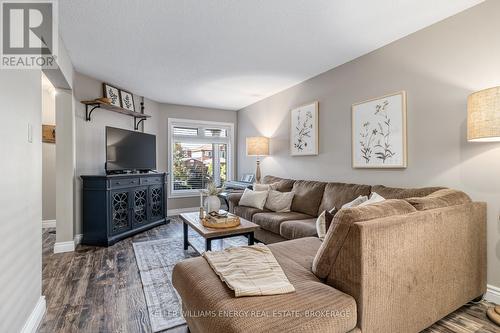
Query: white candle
point(201, 199)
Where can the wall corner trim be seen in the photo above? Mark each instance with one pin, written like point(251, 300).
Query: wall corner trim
point(35, 317)
point(172, 212)
point(492, 294)
point(62, 247)
point(48, 224)
point(78, 239)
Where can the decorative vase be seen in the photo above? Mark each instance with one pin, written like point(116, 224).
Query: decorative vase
point(213, 203)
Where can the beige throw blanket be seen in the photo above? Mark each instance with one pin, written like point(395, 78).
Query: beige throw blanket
point(250, 271)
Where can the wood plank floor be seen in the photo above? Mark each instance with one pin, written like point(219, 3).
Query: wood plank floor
point(99, 290)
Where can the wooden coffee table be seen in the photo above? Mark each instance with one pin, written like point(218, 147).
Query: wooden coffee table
point(246, 228)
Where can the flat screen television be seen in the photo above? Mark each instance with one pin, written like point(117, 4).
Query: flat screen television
point(129, 151)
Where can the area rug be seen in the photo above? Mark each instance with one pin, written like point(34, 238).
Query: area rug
point(156, 260)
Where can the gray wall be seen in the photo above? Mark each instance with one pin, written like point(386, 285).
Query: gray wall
point(90, 136)
point(438, 67)
point(48, 158)
point(90, 144)
point(20, 198)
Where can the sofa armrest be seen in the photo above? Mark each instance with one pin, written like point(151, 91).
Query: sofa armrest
point(408, 271)
point(233, 200)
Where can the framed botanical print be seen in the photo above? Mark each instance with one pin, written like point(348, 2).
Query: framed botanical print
point(379, 132)
point(112, 93)
point(304, 131)
point(127, 100)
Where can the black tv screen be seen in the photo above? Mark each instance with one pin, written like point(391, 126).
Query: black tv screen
point(129, 150)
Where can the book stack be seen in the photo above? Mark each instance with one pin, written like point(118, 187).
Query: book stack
point(221, 221)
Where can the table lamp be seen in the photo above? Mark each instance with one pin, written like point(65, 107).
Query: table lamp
point(483, 125)
point(483, 116)
point(257, 146)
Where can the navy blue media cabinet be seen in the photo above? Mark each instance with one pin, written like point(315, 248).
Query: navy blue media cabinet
point(119, 206)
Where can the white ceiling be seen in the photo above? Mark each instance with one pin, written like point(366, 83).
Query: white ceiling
point(231, 53)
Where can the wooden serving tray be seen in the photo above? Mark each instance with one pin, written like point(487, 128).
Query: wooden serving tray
point(220, 225)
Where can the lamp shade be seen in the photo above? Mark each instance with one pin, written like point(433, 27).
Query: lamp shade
point(483, 115)
point(257, 146)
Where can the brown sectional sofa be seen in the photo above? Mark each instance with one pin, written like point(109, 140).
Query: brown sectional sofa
point(395, 266)
point(311, 198)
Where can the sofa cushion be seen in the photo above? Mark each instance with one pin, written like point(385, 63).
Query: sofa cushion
point(403, 193)
point(341, 224)
point(268, 237)
point(271, 221)
point(202, 291)
point(298, 228)
point(308, 195)
point(262, 187)
point(302, 250)
point(338, 194)
point(279, 184)
point(439, 199)
point(246, 212)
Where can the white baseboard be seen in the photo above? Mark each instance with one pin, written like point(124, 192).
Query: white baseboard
point(172, 212)
point(70, 246)
point(78, 239)
point(35, 317)
point(62, 247)
point(492, 294)
point(49, 224)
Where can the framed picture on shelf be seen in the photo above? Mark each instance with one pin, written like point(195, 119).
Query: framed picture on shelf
point(112, 93)
point(304, 131)
point(127, 100)
point(379, 132)
point(248, 177)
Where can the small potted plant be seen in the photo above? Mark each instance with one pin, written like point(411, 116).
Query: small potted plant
point(212, 202)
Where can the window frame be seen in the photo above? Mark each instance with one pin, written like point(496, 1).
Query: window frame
point(229, 140)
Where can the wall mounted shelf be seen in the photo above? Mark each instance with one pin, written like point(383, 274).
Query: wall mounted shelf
point(90, 106)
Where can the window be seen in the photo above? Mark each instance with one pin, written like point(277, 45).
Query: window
point(220, 132)
point(188, 131)
point(200, 153)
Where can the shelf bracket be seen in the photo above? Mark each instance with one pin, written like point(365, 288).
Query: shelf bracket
point(88, 113)
point(137, 123)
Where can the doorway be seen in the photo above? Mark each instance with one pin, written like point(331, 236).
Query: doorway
point(48, 156)
point(58, 165)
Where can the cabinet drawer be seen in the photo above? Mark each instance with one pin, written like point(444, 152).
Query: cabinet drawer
point(123, 182)
point(151, 180)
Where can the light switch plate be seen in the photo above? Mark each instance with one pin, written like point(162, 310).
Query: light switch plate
point(30, 133)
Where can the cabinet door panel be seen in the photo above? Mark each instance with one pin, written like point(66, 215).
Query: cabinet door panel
point(156, 203)
point(120, 213)
point(140, 206)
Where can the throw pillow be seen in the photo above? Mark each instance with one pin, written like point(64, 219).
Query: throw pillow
point(374, 197)
point(279, 201)
point(256, 199)
point(324, 221)
point(264, 187)
point(356, 202)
